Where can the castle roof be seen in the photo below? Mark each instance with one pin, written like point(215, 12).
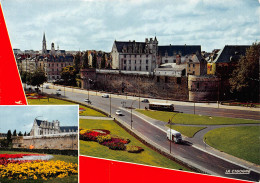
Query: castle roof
point(38, 122)
point(179, 49)
point(231, 53)
point(121, 44)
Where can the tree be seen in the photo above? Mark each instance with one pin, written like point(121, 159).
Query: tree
point(245, 77)
point(85, 64)
point(25, 134)
point(14, 133)
point(37, 78)
point(76, 62)
point(9, 136)
point(94, 60)
point(24, 77)
point(20, 134)
point(69, 75)
point(103, 61)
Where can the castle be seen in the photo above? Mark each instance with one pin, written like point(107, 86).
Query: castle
point(43, 127)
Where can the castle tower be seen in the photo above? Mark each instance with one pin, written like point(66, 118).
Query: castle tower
point(52, 49)
point(44, 47)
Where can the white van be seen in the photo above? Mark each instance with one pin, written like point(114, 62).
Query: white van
point(174, 136)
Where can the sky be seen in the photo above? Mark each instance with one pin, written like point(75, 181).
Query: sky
point(95, 24)
point(21, 117)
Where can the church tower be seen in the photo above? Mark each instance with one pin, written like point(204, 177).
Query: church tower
point(44, 48)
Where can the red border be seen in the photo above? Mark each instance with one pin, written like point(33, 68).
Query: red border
point(11, 90)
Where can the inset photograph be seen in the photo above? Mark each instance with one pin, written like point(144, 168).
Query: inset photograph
point(39, 143)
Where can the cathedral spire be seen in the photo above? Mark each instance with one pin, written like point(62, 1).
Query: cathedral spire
point(44, 48)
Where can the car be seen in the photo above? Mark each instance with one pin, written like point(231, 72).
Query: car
point(58, 93)
point(105, 96)
point(58, 90)
point(87, 100)
point(119, 113)
point(145, 100)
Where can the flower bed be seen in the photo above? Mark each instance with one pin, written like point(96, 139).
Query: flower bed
point(104, 137)
point(28, 169)
point(134, 149)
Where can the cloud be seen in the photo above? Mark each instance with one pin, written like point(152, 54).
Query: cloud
point(89, 24)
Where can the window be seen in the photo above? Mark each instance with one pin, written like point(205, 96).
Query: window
point(147, 68)
point(124, 67)
point(193, 65)
point(135, 61)
point(146, 61)
point(146, 56)
point(166, 61)
point(189, 65)
point(124, 56)
point(158, 79)
point(140, 68)
point(129, 61)
point(198, 85)
point(124, 61)
point(178, 80)
point(135, 68)
point(166, 79)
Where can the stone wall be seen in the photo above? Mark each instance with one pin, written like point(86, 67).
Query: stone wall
point(166, 87)
point(56, 141)
point(204, 88)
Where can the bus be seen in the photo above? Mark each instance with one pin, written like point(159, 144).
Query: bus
point(161, 106)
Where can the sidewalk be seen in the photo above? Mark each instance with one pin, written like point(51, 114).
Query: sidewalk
point(211, 105)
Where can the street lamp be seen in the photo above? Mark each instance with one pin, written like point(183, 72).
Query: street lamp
point(170, 123)
point(110, 104)
point(132, 113)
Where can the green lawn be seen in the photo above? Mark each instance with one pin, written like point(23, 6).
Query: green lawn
point(68, 159)
point(188, 131)
point(54, 101)
point(242, 142)
point(147, 157)
point(182, 118)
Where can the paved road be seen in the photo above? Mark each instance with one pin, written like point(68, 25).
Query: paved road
point(210, 163)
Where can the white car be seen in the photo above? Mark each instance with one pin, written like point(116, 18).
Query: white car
point(119, 113)
point(105, 96)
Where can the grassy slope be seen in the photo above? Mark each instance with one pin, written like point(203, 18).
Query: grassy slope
point(54, 101)
point(242, 142)
point(182, 118)
point(148, 156)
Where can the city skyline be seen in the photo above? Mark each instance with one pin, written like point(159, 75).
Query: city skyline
point(94, 25)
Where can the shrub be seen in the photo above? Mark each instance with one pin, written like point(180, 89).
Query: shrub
point(134, 149)
point(114, 145)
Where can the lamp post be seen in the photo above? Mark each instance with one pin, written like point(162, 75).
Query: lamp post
point(170, 123)
point(132, 113)
point(110, 103)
